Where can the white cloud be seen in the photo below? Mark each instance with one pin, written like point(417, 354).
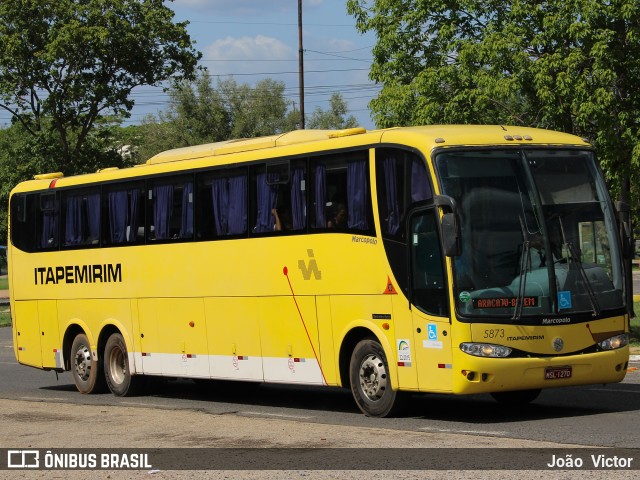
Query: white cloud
point(227, 54)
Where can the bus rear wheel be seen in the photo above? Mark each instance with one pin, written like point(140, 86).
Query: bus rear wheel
point(86, 371)
point(516, 397)
point(370, 381)
point(116, 367)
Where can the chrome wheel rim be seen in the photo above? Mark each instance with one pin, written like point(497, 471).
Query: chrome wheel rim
point(117, 366)
point(373, 377)
point(83, 363)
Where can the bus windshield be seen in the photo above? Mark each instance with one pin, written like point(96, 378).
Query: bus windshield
point(538, 234)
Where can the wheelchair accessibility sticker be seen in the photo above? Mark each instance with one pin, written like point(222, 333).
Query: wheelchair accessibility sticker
point(432, 337)
point(564, 300)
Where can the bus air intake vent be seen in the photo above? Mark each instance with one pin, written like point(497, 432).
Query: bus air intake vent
point(48, 176)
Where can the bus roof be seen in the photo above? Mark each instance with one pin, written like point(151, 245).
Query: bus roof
point(438, 135)
point(248, 144)
point(425, 137)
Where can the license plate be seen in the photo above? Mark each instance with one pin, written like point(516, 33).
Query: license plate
point(555, 373)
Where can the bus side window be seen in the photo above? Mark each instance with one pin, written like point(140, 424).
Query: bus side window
point(265, 197)
point(295, 200)
point(23, 226)
point(81, 218)
point(47, 221)
point(222, 206)
point(290, 213)
point(124, 220)
point(428, 290)
point(279, 197)
point(341, 197)
point(171, 209)
point(402, 180)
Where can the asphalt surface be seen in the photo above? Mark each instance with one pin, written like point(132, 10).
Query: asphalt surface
point(39, 412)
point(52, 421)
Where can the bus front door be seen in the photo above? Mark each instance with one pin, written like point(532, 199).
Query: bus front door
point(429, 304)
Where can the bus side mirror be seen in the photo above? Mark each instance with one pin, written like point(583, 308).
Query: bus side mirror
point(624, 220)
point(450, 235)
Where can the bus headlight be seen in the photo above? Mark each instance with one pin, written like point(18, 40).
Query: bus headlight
point(485, 350)
point(612, 343)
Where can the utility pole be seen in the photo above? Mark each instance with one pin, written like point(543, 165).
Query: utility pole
point(300, 65)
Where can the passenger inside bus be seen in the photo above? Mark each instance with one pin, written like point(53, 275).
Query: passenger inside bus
point(282, 219)
point(339, 218)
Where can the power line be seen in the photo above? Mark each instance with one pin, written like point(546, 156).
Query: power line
point(283, 60)
point(339, 57)
point(287, 73)
point(278, 24)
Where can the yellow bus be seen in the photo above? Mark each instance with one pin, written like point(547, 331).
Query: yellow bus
point(446, 259)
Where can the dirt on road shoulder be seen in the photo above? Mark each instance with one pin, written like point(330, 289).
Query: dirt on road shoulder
point(49, 425)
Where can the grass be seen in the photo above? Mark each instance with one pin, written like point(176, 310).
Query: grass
point(635, 330)
point(5, 317)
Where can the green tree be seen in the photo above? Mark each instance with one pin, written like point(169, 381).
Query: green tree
point(569, 65)
point(22, 155)
point(66, 64)
point(255, 111)
point(334, 118)
point(196, 114)
point(201, 113)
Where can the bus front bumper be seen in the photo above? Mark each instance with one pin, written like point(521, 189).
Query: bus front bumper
point(485, 375)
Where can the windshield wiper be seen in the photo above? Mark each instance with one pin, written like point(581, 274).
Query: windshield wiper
point(525, 261)
point(575, 258)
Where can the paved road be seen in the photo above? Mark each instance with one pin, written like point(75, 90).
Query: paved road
point(592, 415)
point(38, 410)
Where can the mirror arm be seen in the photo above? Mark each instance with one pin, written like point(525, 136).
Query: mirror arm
point(450, 225)
point(445, 201)
point(624, 218)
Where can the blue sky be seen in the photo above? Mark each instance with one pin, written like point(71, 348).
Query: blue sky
point(255, 39)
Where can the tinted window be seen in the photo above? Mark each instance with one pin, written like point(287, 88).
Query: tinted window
point(222, 204)
point(47, 221)
point(123, 207)
point(81, 217)
point(170, 215)
point(341, 193)
point(23, 224)
point(279, 200)
point(428, 291)
point(402, 181)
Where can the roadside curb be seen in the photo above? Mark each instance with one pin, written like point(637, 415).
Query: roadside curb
point(634, 358)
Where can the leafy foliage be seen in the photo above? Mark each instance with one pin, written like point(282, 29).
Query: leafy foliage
point(66, 64)
point(200, 112)
point(334, 118)
point(569, 65)
point(23, 155)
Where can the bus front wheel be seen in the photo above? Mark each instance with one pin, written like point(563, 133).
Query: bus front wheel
point(116, 367)
point(86, 370)
point(370, 381)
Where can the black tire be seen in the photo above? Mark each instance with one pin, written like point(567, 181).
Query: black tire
point(86, 371)
point(516, 397)
point(370, 380)
point(116, 368)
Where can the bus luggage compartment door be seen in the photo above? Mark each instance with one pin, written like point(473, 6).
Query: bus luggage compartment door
point(37, 334)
